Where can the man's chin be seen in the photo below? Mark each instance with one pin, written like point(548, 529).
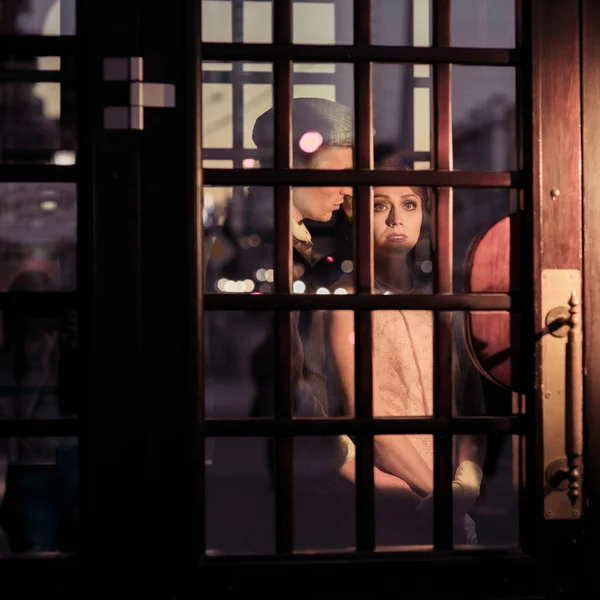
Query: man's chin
point(322, 218)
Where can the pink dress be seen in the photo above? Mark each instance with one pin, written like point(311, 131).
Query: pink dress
point(403, 369)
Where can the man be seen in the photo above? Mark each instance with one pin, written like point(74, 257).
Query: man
point(322, 138)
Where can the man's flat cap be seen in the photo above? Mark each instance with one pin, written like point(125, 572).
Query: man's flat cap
point(332, 120)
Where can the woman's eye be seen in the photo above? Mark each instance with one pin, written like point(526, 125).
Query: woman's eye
point(379, 207)
point(410, 205)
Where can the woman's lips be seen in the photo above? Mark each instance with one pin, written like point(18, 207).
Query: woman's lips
point(396, 237)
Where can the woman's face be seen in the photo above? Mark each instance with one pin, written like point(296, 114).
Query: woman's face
point(397, 218)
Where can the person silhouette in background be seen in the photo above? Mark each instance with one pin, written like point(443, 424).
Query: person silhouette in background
point(39, 510)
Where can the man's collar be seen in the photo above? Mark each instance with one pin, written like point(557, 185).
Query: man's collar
point(300, 232)
point(302, 240)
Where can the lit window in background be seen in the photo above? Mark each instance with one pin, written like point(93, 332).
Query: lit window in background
point(64, 157)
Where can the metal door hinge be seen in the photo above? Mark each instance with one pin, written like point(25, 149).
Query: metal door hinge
point(562, 393)
point(142, 94)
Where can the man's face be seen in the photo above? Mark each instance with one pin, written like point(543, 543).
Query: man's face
point(318, 203)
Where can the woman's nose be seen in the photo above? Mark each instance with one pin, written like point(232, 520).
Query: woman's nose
point(394, 218)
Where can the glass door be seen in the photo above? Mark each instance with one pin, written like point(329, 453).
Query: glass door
point(333, 313)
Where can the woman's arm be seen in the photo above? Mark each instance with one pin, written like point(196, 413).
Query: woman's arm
point(394, 453)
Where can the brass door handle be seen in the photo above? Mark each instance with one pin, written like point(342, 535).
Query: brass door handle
point(562, 393)
point(574, 400)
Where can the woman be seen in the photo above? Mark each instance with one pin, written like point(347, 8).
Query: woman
point(403, 356)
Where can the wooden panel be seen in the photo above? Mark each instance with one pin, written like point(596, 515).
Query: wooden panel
point(556, 60)
point(556, 226)
point(591, 297)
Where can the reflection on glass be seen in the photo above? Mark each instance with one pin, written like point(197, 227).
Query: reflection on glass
point(240, 497)
point(239, 367)
point(403, 516)
point(39, 365)
point(238, 240)
point(402, 22)
point(39, 489)
point(486, 496)
point(484, 118)
point(483, 23)
point(324, 494)
point(39, 380)
point(38, 228)
point(402, 112)
point(34, 127)
point(38, 17)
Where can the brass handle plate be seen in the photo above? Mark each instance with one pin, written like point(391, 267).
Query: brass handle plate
point(562, 392)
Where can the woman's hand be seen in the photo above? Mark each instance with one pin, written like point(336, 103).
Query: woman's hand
point(465, 490)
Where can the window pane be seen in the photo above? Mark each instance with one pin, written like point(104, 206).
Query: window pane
point(403, 358)
point(322, 116)
point(323, 22)
point(234, 95)
point(330, 249)
point(39, 380)
point(403, 115)
point(324, 494)
point(402, 22)
point(481, 222)
point(240, 497)
point(257, 21)
point(483, 23)
point(39, 495)
point(37, 122)
point(38, 232)
point(244, 21)
point(484, 118)
point(487, 259)
point(216, 21)
point(38, 17)
point(486, 498)
point(402, 518)
point(238, 239)
point(239, 364)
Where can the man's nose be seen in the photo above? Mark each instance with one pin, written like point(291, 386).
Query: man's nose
point(346, 191)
